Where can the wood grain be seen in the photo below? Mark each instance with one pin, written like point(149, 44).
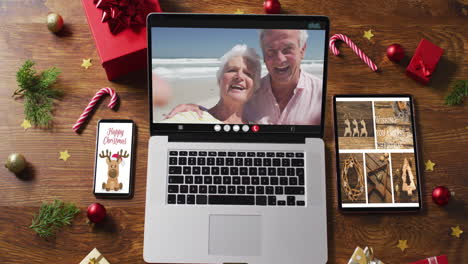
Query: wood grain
point(442, 130)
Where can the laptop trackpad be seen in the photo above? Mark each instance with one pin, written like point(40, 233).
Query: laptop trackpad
point(235, 235)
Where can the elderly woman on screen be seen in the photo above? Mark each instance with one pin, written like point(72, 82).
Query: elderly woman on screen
point(238, 77)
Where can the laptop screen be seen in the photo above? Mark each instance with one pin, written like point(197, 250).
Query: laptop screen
point(238, 79)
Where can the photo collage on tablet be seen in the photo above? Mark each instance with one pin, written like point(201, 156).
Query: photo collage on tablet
point(376, 152)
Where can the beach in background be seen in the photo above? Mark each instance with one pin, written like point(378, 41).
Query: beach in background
point(193, 80)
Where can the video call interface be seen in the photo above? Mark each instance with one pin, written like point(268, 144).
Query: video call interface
point(376, 152)
point(237, 76)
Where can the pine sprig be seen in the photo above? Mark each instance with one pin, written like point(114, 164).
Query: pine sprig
point(460, 90)
point(37, 93)
point(52, 217)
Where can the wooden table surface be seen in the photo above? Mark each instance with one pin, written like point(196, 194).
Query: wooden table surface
point(442, 130)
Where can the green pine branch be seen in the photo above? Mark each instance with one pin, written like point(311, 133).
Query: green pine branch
point(460, 90)
point(37, 93)
point(52, 217)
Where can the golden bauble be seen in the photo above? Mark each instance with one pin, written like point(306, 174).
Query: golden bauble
point(54, 22)
point(15, 163)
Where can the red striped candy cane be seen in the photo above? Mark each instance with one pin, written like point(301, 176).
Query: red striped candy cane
point(353, 46)
point(97, 96)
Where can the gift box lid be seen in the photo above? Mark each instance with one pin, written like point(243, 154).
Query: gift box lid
point(111, 46)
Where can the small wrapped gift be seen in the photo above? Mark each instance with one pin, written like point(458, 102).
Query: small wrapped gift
point(433, 260)
point(424, 61)
point(94, 257)
point(364, 256)
point(119, 31)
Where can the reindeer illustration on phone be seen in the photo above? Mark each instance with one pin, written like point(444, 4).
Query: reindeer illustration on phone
point(113, 169)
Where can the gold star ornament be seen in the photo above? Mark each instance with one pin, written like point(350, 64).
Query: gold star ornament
point(64, 155)
point(402, 244)
point(86, 63)
point(26, 124)
point(456, 231)
point(368, 34)
point(430, 165)
point(238, 11)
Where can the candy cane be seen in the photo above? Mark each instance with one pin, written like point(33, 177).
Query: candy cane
point(353, 47)
point(93, 101)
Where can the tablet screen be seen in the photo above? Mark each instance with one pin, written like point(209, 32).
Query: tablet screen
point(376, 153)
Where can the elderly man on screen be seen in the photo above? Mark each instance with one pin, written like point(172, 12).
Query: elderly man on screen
point(287, 94)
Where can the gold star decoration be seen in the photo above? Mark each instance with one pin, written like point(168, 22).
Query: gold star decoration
point(64, 155)
point(26, 124)
point(86, 63)
point(238, 11)
point(456, 231)
point(368, 34)
point(93, 261)
point(430, 165)
point(402, 244)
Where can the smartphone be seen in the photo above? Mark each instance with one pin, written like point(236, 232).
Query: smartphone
point(376, 153)
point(114, 162)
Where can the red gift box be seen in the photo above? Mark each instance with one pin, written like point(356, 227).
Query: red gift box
point(123, 51)
point(433, 260)
point(424, 61)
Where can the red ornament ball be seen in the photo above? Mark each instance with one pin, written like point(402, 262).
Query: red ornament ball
point(96, 212)
point(395, 52)
point(54, 22)
point(441, 195)
point(272, 6)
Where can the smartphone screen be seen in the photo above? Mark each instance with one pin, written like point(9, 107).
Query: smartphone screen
point(113, 174)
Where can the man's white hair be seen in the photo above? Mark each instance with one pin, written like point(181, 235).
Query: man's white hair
point(302, 37)
point(241, 50)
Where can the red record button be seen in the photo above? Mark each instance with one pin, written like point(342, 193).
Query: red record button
point(255, 128)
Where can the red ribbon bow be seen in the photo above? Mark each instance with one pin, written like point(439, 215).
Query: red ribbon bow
point(421, 66)
point(121, 14)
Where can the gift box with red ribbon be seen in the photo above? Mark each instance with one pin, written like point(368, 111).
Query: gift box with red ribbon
point(433, 260)
point(119, 31)
point(424, 61)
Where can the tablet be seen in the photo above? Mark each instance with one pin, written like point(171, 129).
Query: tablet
point(376, 153)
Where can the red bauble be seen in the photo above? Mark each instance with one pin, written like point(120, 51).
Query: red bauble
point(441, 195)
point(395, 52)
point(96, 212)
point(272, 6)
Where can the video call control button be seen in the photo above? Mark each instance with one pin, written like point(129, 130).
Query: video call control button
point(227, 128)
point(255, 128)
point(235, 128)
point(217, 128)
point(245, 128)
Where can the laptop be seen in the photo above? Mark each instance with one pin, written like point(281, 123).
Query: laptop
point(236, 164)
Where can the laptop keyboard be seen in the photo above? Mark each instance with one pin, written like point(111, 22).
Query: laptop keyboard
point(236, 178)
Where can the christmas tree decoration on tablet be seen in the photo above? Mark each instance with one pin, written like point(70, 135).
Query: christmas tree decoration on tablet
point(93, 102)
point(52, 217)
point(456, 231)
point(38, 96)
point(430, 165)
point(402, 245)
point(368, 34)
point(353, 46)
point(459, 92)
point(15, 163)
point(26, 124)
point(86, 63)
point(64, 155)
point(54, 22)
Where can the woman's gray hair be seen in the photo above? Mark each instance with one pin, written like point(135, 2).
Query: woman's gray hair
point(241, 50)
point(302, 36)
